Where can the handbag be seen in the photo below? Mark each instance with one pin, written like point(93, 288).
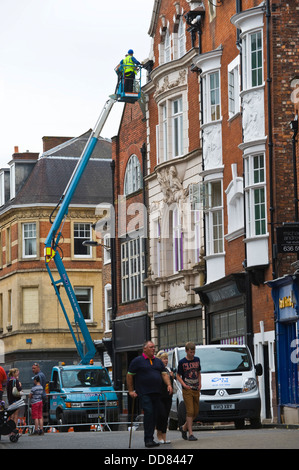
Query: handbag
point(15, 392)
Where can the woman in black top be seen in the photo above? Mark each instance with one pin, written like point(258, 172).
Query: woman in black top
point(13, 381)
point(165, 404)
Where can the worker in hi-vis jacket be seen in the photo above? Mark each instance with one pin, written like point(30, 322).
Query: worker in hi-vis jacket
point(129, 65)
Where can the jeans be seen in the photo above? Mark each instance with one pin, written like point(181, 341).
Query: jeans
point(150, 405)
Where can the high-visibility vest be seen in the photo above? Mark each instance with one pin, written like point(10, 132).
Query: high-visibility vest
point(129, 65)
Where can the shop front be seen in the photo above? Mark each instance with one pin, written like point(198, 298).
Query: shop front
point(226, 319)
point(177, 327)
point(129, 334)
point(285, 294)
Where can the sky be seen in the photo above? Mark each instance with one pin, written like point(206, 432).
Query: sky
point(57, 60)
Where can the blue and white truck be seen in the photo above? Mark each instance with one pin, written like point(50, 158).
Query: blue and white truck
point(81, 395)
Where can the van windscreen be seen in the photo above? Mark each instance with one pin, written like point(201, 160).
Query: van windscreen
point(222, 359)
point(85, 378)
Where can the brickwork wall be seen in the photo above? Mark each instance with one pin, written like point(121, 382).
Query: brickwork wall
point(285, 69)
point(131, 137)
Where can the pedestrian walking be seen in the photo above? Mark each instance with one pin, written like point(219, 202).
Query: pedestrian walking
point(3, 380)
point(145, 376)
point(164, 404)
point(14, 391)
point(36, 398)
point(189, 376)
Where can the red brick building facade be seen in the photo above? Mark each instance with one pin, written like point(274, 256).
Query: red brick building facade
point(130, 325)
point(220, 98)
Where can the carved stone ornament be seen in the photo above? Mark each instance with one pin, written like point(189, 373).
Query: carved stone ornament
point(171, 185)
point(253, 115)
point(167, 85)
point(212, 146)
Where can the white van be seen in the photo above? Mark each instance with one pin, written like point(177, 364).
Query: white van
point(229, 386)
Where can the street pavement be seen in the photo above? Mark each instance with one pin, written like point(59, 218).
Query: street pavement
point(280, 437)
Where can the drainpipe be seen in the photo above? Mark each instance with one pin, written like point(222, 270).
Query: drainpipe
point(113, 282)
point(270, 146)
point(270, 137)
point(145, 217)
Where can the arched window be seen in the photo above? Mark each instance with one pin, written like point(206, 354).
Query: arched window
point(181, 39)
point(133, 180)
point(167, 47)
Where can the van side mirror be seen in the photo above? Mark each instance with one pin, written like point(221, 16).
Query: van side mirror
point(258, 369)
point(51, 387)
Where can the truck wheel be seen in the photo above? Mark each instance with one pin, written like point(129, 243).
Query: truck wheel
point(181, 414)
point(61, 422)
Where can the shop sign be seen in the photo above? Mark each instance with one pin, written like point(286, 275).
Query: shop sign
point(288, 239)
point(287, 303)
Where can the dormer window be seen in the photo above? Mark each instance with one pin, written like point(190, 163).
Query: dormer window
point(2, 189)
point(12, 181)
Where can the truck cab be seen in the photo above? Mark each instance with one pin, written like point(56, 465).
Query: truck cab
point(82, 395)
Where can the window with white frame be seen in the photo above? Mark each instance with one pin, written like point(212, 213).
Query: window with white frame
point(29, 239)
point(252, 46)
point(107, 248)
point(108, 307)
point(2, 188)
point(255, 195)
point(165, 133)
point(156, 247)
point(167, 47)
point(170, 132)
point(233, 88)
point(133, 180)
point(84, 299)
point(195, 203)
point(211, 92)
point(82, 233)
point(214, 217)
point(132, 269)
point(181, 38)
point(177, 241)
point(177, 127)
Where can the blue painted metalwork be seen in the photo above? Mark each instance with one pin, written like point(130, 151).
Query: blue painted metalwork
point(285, 294)
point(52, 245)
point(128, 96)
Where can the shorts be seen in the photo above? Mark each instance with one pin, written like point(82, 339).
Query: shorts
point(191, 400)
point(37, 410)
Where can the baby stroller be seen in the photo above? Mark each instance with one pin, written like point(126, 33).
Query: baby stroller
point(8, 426)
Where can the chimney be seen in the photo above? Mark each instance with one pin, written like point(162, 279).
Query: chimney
point(16, 149)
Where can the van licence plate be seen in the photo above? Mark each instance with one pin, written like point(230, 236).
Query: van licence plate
point(227, 406)
point(95, 415)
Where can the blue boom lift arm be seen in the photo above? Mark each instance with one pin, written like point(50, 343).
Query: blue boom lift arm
point(53, 238)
